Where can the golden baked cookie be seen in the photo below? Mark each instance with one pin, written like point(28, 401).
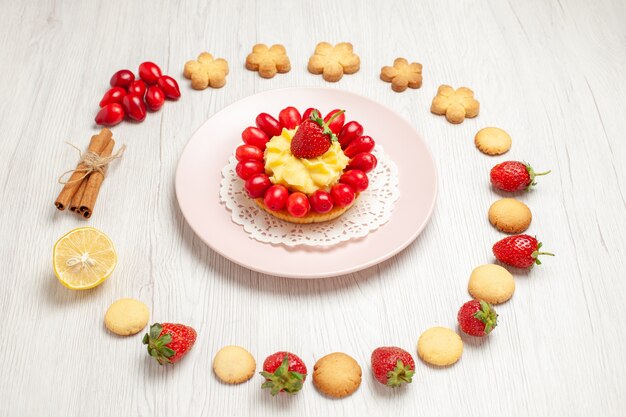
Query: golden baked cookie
point(510, 215)
point(440, 346)
point(492, 141)
point(337, 375)
point(311, 217)
point(491, 283)
point(456, 105)
point(402, 75)
point(126, 316)
point(206, 72)
point(334, 61)
point(268, 61)
point(233, 365)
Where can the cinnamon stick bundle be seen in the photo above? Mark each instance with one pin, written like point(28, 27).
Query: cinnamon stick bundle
point(94, 181)
point(76, 199)
point(96, 145)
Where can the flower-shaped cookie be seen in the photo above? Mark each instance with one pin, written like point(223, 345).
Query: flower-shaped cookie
point(456, 105)
point(402, 75)
point(206, 72)
point(268, 61)
point(334, 61)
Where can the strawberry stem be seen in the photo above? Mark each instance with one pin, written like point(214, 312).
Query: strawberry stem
point(282, 379)
point(401, 374)
point(487, 315)
point(543, 173)
point(334, 116)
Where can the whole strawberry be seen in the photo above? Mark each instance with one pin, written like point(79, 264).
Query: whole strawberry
point(514, 176)
point(392, 366)
point(313, 137)
point(520, 251)
point(477, 318)
point(283, 371)
point(169, 342)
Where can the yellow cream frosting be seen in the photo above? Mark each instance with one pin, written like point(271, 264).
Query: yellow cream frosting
point(305, 175)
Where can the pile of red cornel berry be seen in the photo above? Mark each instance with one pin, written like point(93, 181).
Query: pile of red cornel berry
point(130, 97)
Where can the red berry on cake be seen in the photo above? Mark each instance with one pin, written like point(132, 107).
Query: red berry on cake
point(356, 179)
point(308, 112)
point(337, 122)
point(248, 168)
point(321, 201)
point(358, 145)
point(289, 118)
point(342, 194)
point(477, 318)
point(255, 137)
point(298, 204)
point(349, 132)
point(313, 138)
point(245, 152)
point(257, 184)
point(268, 124)
point(364, 161)
point(276, 197)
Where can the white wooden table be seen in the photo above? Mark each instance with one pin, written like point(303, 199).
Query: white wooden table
point(551, 73)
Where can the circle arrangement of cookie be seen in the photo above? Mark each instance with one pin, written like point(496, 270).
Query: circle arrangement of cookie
point(510, 215)
point(305, 168)
point(233, 365)
point(126, 316)
point(492, 141)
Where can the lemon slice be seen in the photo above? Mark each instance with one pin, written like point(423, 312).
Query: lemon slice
point(83, 258)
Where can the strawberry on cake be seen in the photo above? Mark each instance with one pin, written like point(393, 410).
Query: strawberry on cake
point(305, 169)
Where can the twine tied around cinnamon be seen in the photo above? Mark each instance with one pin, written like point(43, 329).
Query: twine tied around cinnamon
point(92, 162)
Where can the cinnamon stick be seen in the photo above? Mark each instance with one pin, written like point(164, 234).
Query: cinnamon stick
point(97, 144)
point(78, 196)
point(92, 189)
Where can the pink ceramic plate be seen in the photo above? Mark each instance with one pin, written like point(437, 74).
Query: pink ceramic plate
point(198, 182)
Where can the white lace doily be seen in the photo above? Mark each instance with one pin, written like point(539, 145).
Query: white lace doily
point(371, 210)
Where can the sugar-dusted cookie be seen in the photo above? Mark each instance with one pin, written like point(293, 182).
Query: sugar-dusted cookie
point(206, 72)
point(126, 316)
point(402, 75)
point(440, 346)
point(456, 105)
point(492, 141)
point(510, 215)
point(233, 365)
point(268, 61)
point(337, 375)
point(334, 61)
point(491, 283)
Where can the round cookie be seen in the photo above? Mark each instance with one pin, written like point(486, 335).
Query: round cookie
point(492, 141)
point(491, 283)
point(510, 215)
point(126, 316)
point(233, 365)
point(440, 346)
point(337, 375)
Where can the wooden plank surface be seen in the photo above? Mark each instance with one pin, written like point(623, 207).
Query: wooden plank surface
point(551, 73)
